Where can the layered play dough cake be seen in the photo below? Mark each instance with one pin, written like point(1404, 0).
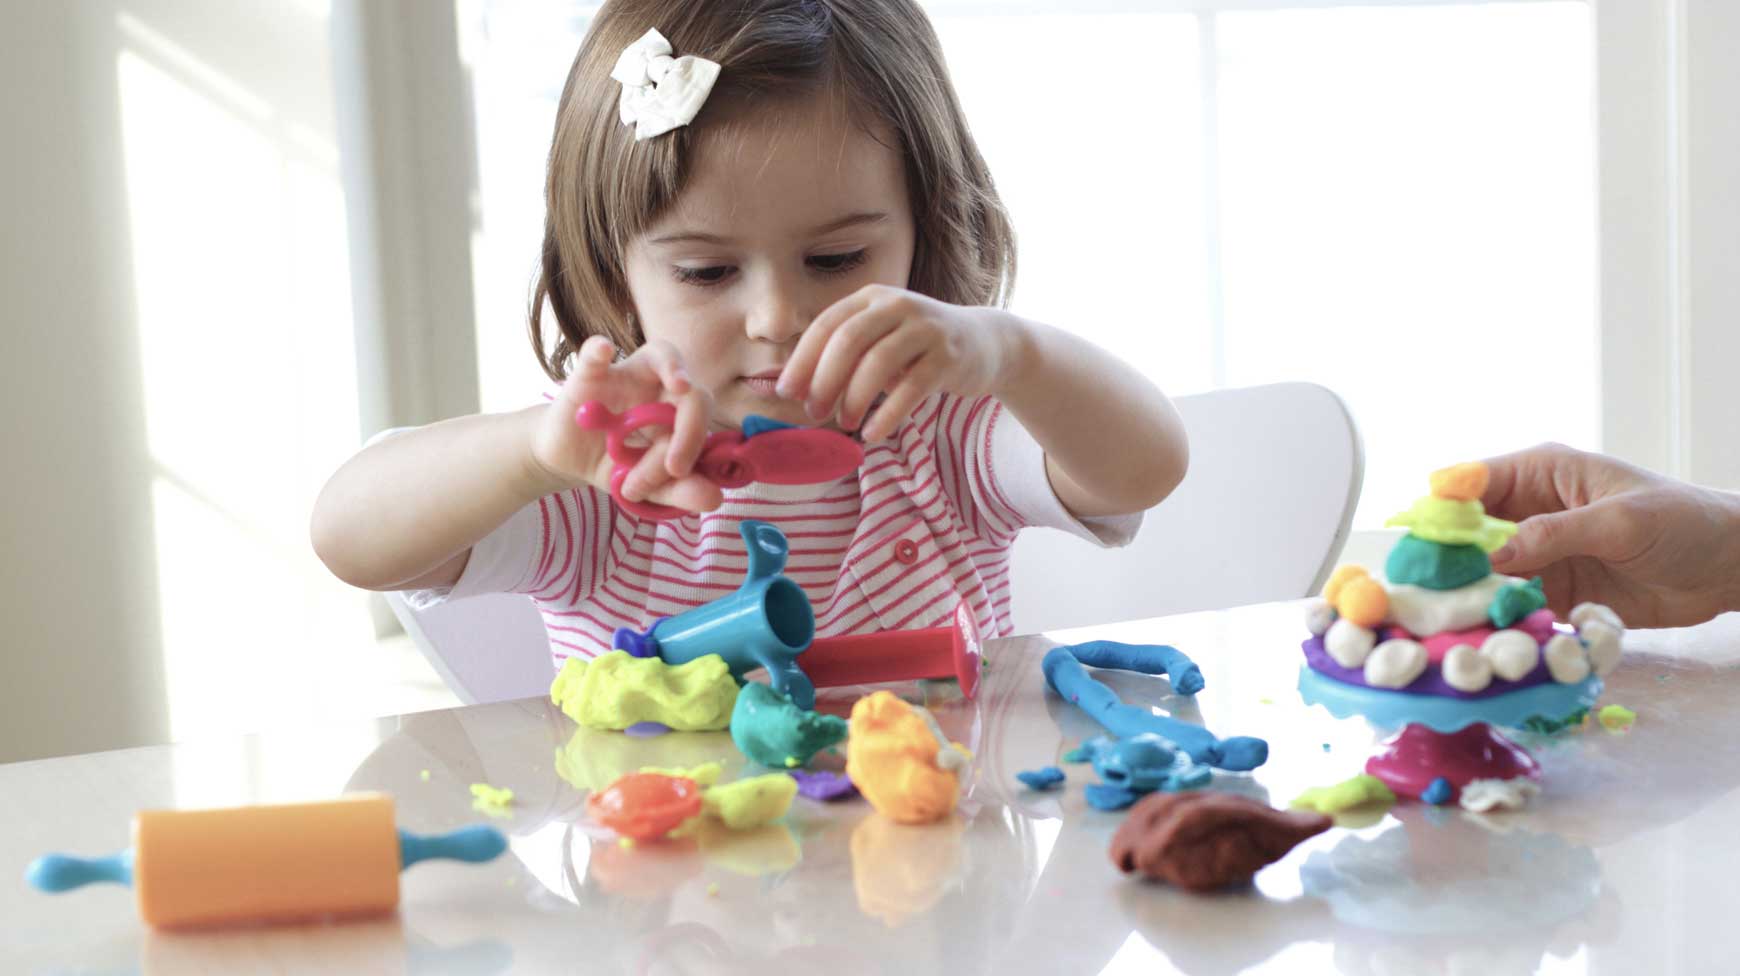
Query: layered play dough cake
point(1443, 623)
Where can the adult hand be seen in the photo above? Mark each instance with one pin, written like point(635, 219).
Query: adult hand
point(1660, 552)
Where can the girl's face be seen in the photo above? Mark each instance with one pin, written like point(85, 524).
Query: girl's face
point(780, 219)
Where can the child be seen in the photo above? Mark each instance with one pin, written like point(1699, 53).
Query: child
point(778, 211)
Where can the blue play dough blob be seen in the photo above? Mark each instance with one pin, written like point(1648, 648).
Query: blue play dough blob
point(1164, 659)
point(1066, 676)
point(1102, 797)
point(1439, 792)
point(757, 424)
point(1041, 779)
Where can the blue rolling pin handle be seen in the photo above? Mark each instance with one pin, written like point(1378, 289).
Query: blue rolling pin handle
point(477, 843)
point(1164, 659)
point(55, 873)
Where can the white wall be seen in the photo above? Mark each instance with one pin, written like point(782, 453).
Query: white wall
point(80, 664)
point(180, 373)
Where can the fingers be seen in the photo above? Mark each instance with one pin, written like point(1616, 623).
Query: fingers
point(919, 382)
point(844, 356)
point(1526, 483)
point(1599, 531)
point(796, 380)
point(878, 371)
point(650, 480)
point(688, 432)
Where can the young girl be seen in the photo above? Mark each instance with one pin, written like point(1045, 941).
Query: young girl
point(770, 207)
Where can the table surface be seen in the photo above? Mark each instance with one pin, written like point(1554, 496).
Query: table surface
point(1625, 864)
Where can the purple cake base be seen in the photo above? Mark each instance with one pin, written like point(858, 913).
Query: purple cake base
point(1431, 682)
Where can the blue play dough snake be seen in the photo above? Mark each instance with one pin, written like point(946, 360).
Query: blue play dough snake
point(1066, 676)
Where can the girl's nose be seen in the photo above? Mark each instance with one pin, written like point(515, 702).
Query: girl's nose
point(776, 316)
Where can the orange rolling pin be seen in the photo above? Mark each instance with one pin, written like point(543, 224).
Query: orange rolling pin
point(266, 863)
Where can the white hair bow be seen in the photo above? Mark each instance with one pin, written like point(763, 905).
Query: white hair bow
point(660, 92)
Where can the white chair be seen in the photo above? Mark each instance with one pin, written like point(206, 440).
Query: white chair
point(1275, 472)
point(486, 648)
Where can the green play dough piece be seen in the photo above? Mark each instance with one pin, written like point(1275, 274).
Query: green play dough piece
point(774, 732)
point(1356, 792)
point(1516, 601)
point(1434, 565)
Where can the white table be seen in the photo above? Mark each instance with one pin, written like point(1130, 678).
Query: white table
point(1628, 863)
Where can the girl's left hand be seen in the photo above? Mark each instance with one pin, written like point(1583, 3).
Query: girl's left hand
point(885, 340)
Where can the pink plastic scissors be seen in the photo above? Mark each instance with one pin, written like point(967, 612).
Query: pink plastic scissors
point(781, 455)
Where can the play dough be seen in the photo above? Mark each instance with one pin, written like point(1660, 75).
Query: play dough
point(901, 762)
point(617, 690)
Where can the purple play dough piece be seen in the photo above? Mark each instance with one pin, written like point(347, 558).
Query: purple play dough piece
point(1429, 683)
point(646, 730)
point(822, 785)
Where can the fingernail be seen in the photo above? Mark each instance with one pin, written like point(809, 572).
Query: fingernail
point(1505, 553)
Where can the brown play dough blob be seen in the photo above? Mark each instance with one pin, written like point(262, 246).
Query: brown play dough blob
point(1200, 840)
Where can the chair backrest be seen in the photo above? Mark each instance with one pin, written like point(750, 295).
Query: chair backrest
point(1275, 474)
point(486, 648)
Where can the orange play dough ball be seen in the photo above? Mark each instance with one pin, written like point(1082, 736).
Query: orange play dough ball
point(1363, 601)
point(892, 757)
point(645, 806)
point(1461, 482)
point(1340, 578)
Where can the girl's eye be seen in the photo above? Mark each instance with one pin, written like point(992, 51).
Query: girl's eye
point(702, 276)
point(837, 263)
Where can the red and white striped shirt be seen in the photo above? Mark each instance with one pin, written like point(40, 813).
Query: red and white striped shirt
point(926, 521)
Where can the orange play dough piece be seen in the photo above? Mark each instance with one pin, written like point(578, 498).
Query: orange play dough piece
point(893, 757)
point(1340, 578)
point(266, 863)
point(645, 806)
point(1464, 482)
point(1363, 602)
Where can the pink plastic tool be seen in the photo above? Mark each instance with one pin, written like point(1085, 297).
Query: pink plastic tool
point(729, 459)
point(950, 651)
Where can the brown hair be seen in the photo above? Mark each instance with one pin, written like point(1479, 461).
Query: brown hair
point(879, 58)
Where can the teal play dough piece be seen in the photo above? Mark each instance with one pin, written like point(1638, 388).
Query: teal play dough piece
point(771, 730)
point(1516, 601)
point(1435, 565)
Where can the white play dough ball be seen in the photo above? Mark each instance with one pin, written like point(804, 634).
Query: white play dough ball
point(1582, 613)
point(1318, 616)
point(1603, 643)
point(1565, 659)
point(1348, 643)
point(1465, 669)
point(1512, 653)
point(1395, 663)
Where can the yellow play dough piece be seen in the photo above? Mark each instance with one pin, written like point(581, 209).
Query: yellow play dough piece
point(1464, 482)
point(495, 796)
point(1616, 718)
point(705, 774)
point(1454, 523)
point(592, 759)
point(907, 771)
point(750, 803)
point(1356, 792)
point(617, 690)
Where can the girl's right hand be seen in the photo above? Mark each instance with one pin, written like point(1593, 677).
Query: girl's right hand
point(565, 456)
